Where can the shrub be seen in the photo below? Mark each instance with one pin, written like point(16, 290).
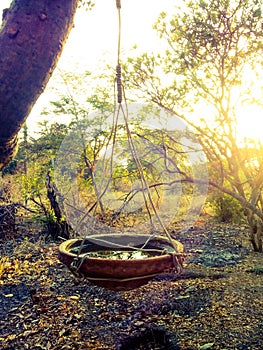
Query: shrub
point(226, 208)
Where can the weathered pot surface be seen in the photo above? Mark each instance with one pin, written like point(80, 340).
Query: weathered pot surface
point(120, 274)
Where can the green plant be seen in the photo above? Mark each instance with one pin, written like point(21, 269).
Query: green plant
point(257, 269)
point(226, 208)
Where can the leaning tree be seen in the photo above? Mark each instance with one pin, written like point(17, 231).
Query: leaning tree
point(32, 37)
point(213, 60)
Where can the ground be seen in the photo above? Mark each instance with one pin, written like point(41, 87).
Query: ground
point(215, 304)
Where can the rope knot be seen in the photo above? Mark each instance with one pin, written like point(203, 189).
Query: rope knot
point(119, 83)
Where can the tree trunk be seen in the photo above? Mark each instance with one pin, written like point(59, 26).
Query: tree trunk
point(31, 40)
point(256, 232)
point(59, 227)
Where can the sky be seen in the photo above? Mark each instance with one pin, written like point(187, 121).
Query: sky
point(93, 40)
point(95, 32)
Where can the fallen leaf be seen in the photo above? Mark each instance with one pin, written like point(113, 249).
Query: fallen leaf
point(207, 346)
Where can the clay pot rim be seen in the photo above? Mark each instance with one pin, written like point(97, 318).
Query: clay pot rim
point(65, 247)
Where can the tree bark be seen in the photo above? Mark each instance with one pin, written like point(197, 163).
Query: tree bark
point(256, 231)
point(59, 227)
point(32, 37)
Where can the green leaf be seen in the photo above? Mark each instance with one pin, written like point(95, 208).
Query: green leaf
point(257, 13)
point(207, 346)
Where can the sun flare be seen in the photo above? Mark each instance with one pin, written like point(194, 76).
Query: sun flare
point(250, 124)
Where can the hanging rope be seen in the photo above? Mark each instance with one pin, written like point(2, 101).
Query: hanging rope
point(119, 83)
point(145, 187)
point(76, 264)
point(148, 200)
point(118, 68)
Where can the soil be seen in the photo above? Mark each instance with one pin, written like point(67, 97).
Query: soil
point(215, 304)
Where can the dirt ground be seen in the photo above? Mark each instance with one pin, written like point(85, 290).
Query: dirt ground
point(216, 303)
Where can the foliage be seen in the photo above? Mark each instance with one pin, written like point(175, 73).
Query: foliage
point(10, 168)
point(92, 136)
point(226, 208)
point(258, 270)
point(49, 221)
point(86, 4)
point(84, 147)
point(213, 60)
point(26, 179)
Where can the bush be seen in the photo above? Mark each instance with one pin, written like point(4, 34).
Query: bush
point(226, 208)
